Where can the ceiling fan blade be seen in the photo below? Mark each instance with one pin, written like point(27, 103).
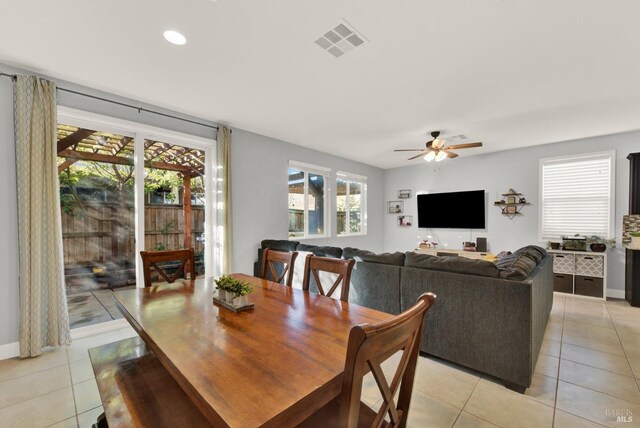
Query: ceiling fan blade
point(424, 152)
point(464, 146)
point(430, 144)
point(452, 155)
point(408, 150)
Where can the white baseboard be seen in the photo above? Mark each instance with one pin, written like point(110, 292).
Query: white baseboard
point(616, 294)
point(11, 350)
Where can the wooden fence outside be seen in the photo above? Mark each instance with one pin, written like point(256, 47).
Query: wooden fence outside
point(90, 239)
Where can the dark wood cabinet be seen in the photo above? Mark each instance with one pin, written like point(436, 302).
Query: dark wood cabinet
point(632, 269)
point(632, 277)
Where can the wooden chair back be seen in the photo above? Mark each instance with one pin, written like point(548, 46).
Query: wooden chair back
point(151, 259)
point(315, 264)
point(270, 258)
point(371, 344)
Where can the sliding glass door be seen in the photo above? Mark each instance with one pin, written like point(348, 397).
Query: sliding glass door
point(124, 188)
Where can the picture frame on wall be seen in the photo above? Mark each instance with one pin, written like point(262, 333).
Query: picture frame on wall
point(395, 207)
point(511, 199)
point(511, 210)
point(404, 221)
point(404, 194)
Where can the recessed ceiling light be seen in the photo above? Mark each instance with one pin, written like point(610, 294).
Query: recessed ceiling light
point(175, 37)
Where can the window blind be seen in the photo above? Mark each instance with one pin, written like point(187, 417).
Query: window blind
point(577, 196)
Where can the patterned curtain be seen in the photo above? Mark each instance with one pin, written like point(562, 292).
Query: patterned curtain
point(223, 212)
point(44, 320)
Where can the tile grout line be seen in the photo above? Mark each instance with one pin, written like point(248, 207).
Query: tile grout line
point(467, 401)
point(73, 390)
point(622, 345)
point(555, 398)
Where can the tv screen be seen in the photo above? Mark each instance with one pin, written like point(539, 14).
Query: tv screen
point(455, 210)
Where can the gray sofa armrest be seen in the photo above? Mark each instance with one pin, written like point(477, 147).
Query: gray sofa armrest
point(478, 322)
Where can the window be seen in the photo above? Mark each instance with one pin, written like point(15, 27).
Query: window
point(307, 200)
point(576, 195)
point(351, 213)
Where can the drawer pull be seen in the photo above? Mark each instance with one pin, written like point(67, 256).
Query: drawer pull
point(589, 279)
point(588, 258)
point(560, 256)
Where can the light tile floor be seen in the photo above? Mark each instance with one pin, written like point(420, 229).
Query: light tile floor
point(588, 369)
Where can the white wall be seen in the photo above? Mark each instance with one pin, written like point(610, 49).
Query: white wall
point(8, 219)
point(496, 173)
point(259, 174)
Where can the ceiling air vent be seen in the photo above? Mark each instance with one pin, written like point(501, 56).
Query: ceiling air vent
point(340, 39)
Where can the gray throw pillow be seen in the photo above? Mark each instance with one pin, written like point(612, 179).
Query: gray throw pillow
point(396, 259)
point(538, 253)
point(516, 266)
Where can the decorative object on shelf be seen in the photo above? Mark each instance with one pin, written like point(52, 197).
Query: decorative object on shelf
point(574, 243)
point(395, 207)
point(427, 244)
point(599, 244)
point(404, 221)
point(553, 245)
point(404, 194)
point(630, 223)
point(511, 203)
point(232, 293)
point(468, 246)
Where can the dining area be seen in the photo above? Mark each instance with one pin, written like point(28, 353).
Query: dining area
point(295, 358)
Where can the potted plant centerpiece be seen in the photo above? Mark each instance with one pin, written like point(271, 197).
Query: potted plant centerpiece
point(232, 290)
point(635, 239)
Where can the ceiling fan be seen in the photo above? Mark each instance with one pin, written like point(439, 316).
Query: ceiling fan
point(436, 149)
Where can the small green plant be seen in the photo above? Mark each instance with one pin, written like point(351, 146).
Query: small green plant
point(233, 286)
point(634, 234)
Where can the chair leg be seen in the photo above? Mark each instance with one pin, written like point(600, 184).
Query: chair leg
point(101, 422)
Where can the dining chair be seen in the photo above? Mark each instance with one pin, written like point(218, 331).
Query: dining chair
point(369, 345)
point(285, 262)
point(315, 264)
point(164, 263)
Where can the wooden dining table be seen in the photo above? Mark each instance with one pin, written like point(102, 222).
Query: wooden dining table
point(273, 365)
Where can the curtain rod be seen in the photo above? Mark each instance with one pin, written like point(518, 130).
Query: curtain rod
point(140, 109)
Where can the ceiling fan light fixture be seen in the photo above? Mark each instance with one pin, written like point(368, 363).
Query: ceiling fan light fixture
point(441, 156)
point(430, 156)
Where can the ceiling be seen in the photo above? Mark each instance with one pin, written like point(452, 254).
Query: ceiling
point(508, 73)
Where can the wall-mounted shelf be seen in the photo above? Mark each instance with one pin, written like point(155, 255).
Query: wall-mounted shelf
point(512, 203)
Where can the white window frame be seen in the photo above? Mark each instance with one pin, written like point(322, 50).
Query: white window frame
point(362, 180)
point(317, 170)
point(611, 155)
point(140, 132)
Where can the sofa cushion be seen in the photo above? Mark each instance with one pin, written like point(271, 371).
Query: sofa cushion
point(538, 253)
point(516, 266)
point(280, 244)
point(334, 252)
point(452, 264)
point(396, 259)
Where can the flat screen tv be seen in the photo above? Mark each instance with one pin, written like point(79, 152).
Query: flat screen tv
point(454, 210)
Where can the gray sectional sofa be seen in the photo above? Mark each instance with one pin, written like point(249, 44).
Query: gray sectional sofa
point(490, 317)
